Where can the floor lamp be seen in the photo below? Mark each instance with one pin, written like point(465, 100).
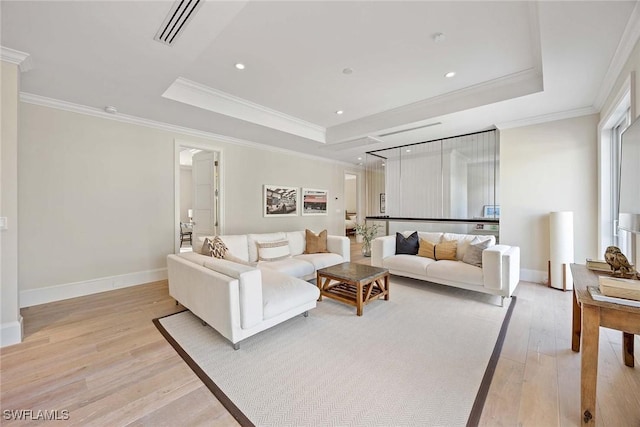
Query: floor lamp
point(560, 250)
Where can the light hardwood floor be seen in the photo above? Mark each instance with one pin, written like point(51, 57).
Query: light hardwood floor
point(101, 358)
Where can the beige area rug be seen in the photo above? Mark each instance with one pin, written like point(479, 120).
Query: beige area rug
point(423, 358)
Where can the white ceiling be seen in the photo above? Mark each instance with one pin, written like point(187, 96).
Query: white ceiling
point(515, 62)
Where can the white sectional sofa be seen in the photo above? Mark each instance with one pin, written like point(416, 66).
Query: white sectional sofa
point(498, 275)
point(243, 297)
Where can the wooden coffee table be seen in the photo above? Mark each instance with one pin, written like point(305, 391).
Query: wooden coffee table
point(354, 284)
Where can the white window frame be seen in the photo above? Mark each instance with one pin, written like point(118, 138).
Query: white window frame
point(621, 106)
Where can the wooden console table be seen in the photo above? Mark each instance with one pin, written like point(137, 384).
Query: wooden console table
point(588, 316)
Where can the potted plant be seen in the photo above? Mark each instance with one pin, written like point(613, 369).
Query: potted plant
point(368, 233)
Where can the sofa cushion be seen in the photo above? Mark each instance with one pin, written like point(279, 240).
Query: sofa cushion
point(473, 254)
point(230, 257)
point(253, 239)
point(316, 243)
point(407, 245)
point(237, 245)
point(296, 242)
point(273, 251)
point(292, 266)
point(281, 293)
point(408, 263)
point(455, 271)
point(464, 240)
point(446, 250)
point(435, 237)
point(321, 260)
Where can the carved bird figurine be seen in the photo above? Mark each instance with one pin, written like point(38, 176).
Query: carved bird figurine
point(618, 262)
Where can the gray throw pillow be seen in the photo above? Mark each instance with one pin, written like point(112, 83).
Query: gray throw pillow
point(473, 255)
point(407, 245)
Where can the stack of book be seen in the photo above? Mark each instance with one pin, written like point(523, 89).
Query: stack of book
point(598, 265)
point(617, 290)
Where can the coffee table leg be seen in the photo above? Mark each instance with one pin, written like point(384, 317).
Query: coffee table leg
point(386, 287)
point(319, 284)
point(359, 299)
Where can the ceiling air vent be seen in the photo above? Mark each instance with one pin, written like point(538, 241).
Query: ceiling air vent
point(410, 129)
point(179, 15)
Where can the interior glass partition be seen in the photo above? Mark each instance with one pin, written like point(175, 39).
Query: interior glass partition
point(449, 184)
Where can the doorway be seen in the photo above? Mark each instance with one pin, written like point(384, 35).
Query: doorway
point(198, 195)
point(351, 204)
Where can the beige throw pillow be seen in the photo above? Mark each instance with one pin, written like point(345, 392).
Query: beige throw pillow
point(445, 250)
point(315, 244)
point(426, 249)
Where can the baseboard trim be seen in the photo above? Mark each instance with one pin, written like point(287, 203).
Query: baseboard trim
point(11, 333)
point(535, 276)
point(31, 297)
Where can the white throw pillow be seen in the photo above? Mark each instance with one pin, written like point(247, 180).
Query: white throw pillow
point(273, 251)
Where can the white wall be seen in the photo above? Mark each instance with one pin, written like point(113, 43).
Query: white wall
point(544, 168)
point(10, 319)
point(96, 200)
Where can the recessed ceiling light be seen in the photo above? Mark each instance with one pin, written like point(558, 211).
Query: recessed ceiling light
point(240, 66)
point(450, 74)
point(347, 70)
point(408, 150)
point(439, 37)
point(339, 112)
point(359, 158)
point(110, 109)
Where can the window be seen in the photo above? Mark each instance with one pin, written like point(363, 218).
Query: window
point(618, 238)
point(614, 121)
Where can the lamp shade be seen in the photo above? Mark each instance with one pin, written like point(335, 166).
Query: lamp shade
point(190, 213)
point(561, 249)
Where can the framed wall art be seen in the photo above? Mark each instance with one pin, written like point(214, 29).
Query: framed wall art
point(314, 202)
point(279, 200)
point(491, 211)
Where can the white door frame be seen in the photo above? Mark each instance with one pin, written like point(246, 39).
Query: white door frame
point(359, 173)
point(176, 186)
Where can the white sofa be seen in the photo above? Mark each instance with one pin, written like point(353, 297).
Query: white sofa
point(499, 274)
point(240, 299)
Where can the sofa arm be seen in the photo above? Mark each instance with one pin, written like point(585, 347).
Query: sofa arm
point(211, 296)
point(381, 248)
point(340, 245)
point(501, 268)
point(249, 289)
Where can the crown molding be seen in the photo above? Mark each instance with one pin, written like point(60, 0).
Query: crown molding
point(629, 38)
point(201, 96)
point(21, 59)
point(560, 115)
point(124, 118)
